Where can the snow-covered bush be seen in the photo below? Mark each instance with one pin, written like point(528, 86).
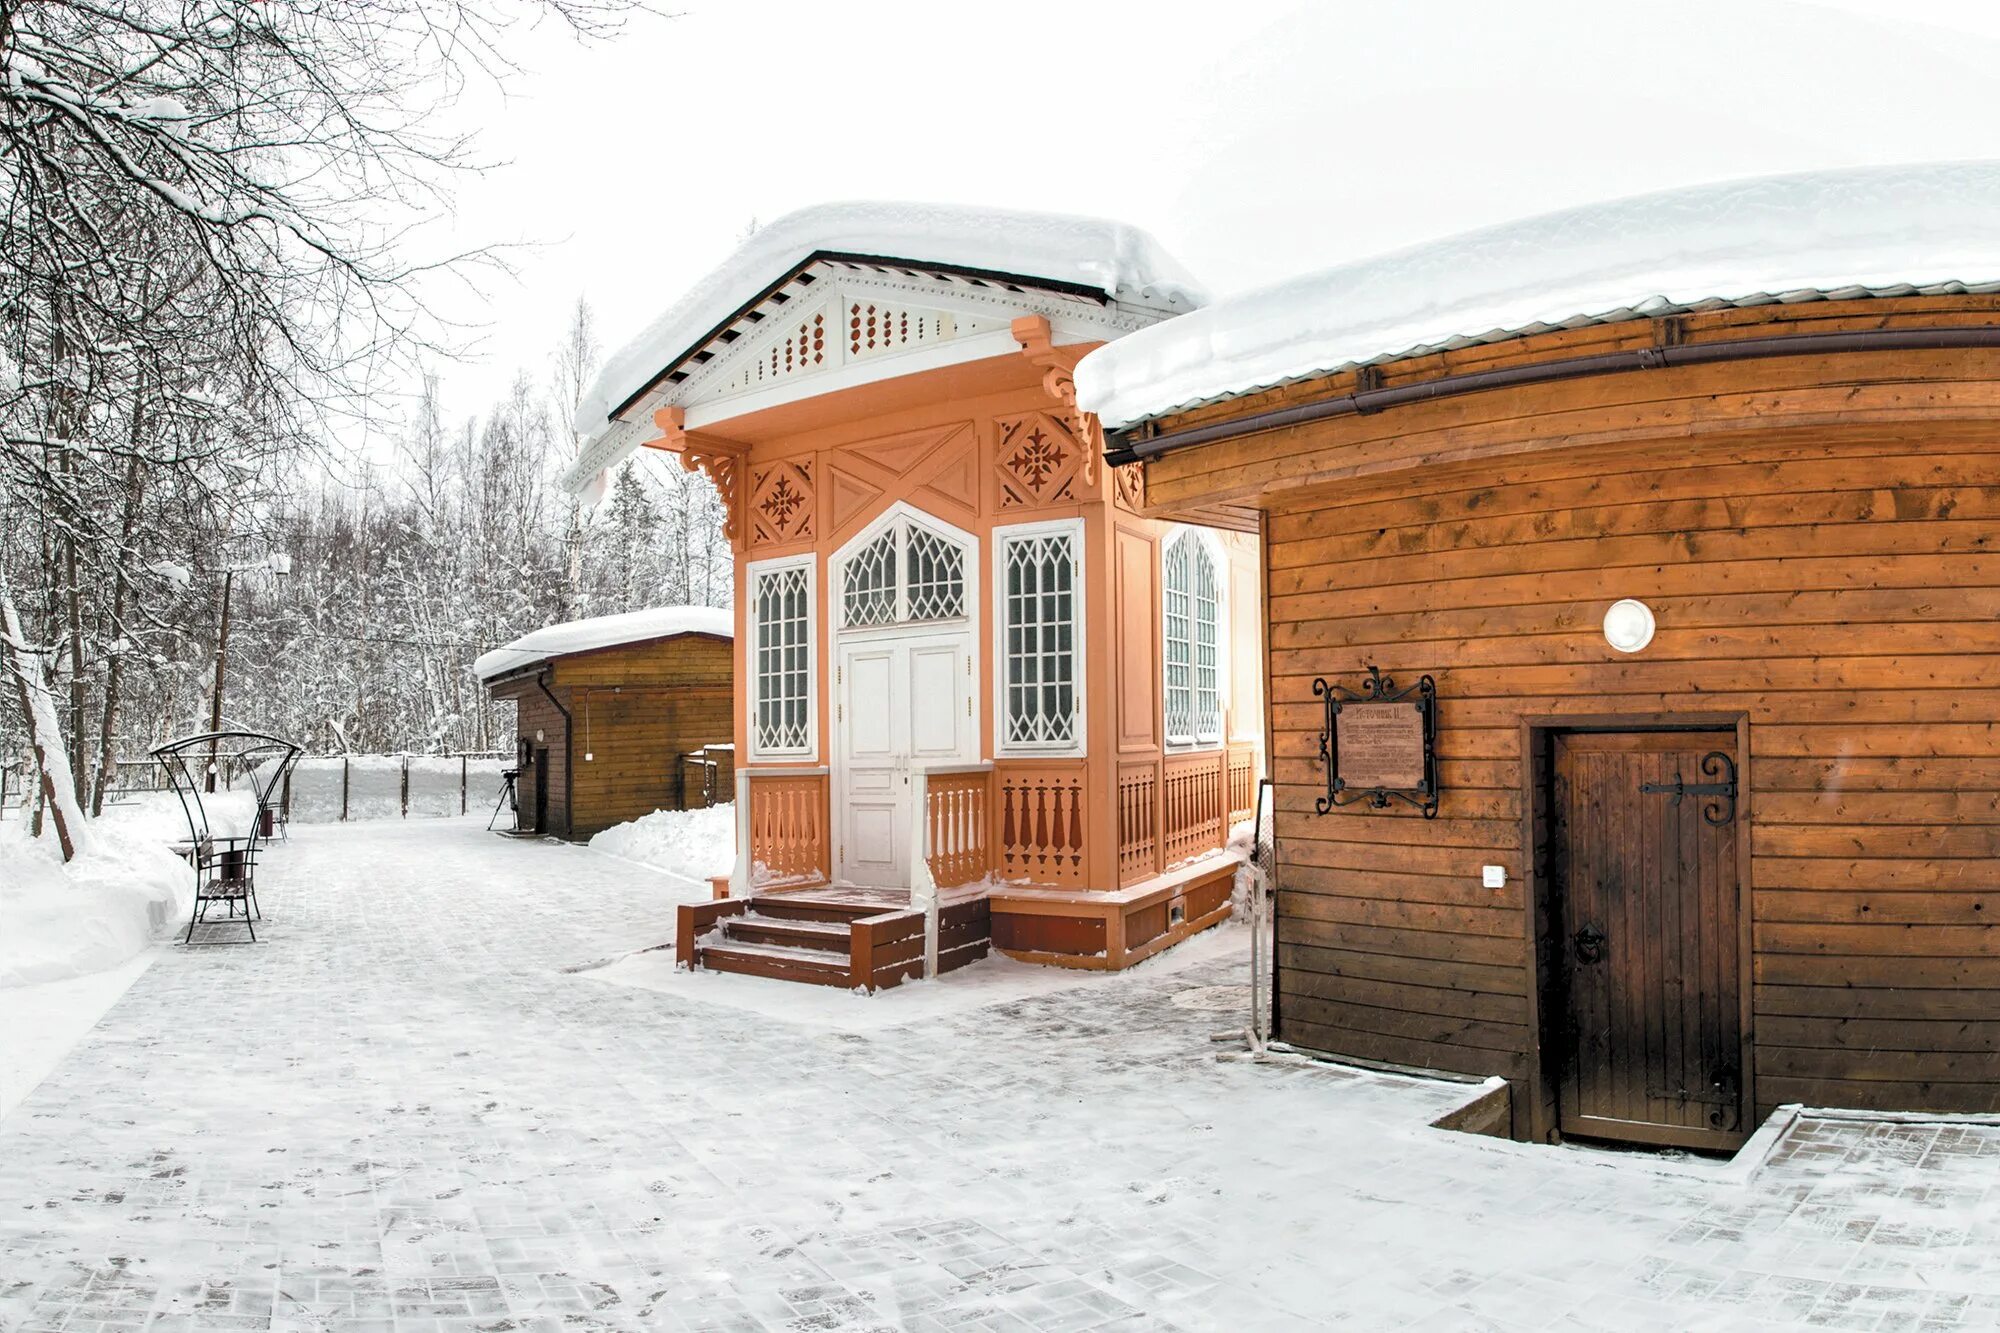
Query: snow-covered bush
point(125, 890)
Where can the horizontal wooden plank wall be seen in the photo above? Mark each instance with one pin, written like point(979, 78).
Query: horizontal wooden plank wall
point(635, 712)
point(1820, 539)
point(636, 709)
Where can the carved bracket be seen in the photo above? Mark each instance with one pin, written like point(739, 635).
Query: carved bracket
point(719, 459)
point(1058, 365)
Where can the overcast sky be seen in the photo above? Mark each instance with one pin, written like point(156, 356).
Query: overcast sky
point(1256, 138)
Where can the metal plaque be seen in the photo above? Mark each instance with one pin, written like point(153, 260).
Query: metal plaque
point(1381, 745)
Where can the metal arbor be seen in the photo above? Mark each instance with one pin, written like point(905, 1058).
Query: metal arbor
point(225, 865)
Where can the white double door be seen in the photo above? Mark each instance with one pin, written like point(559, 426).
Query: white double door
point(904, 702)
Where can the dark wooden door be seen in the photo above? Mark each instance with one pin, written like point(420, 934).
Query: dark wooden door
point(1650, 1025)
point(541, 771)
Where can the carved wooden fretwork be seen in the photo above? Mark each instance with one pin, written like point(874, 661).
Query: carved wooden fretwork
point(783, 503)
point(797, 345)
point(1058, 365)
point(1038, 463)
point(718, 459)
point(1128, 487)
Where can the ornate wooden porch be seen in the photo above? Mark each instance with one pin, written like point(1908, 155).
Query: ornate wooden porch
point(1016, 857)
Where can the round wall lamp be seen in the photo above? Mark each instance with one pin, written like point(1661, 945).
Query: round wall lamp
point(1628, 625)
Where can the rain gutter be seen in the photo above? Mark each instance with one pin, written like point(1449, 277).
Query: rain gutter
point(1130, 446)
point(569, 755)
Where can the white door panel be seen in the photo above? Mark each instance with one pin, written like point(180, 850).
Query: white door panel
point(903, 701)
point(938, 702)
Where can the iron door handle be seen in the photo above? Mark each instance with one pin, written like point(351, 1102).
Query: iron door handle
point(1590, 942)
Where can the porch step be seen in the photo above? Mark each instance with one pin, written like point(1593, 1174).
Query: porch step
point(778, 961)
point(788, 907)
point(830, 937)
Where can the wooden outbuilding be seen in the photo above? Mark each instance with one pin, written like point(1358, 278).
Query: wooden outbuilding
point(1686, 512)
point(619, 716)
point(971, 671)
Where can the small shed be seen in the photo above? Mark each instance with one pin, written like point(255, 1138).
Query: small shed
point(619, 716)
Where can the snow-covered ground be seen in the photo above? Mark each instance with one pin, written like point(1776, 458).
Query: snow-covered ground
point(405, 1110)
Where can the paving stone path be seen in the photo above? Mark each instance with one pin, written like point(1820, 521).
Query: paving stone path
point(402, 1114)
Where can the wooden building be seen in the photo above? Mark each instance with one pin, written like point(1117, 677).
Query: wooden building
point(968, 665)
point(618, 716)
point(1689, 507)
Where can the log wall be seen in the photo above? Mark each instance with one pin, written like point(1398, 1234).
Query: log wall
point(636, 710)
point(1820, 540)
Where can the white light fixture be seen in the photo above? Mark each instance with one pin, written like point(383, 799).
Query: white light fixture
point(1628, 625)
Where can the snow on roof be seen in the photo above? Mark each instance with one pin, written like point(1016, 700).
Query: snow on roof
point(577, 636)
point(1120, 261)
point(1867, 231)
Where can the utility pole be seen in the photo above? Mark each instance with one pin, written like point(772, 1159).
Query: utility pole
point(279, 565)
point(221, 656)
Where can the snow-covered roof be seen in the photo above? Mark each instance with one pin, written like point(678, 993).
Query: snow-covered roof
point(1120, 262)
point(1879, 231)
point(579, 636)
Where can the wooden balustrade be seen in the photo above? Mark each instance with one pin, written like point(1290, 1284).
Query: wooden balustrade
point(1242, 782)
point(1138, 821)
point(1192, 804)
point(788, 829)
point(957, 821)
point(1040, 823)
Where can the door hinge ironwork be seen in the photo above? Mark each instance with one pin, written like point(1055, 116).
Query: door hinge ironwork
point(1719, 811)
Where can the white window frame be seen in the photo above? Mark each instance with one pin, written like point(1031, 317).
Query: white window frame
point(1003, 537)
point(752, 572)
point(902, 512)
point(1218, 561)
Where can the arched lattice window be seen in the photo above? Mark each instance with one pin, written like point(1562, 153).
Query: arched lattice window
point(1193, 647)
point(908, 575)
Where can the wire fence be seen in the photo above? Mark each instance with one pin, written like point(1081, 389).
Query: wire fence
point(325, 789)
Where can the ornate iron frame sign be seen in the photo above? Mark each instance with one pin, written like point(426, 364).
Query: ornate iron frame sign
point(1379, 692)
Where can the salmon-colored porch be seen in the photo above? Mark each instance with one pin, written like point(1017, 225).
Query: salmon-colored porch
point(1016, 839)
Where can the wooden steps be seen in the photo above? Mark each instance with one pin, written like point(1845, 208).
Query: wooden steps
point(864, 939)
point(818, 966)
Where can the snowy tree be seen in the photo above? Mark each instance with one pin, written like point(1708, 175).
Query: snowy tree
point(206, 223)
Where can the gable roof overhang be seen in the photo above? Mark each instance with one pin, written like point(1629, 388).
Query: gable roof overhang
point(980, 305)
point(744, 319)
point(953, 278)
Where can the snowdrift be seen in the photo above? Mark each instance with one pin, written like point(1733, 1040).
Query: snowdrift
point(125, 891)
point(695, 844)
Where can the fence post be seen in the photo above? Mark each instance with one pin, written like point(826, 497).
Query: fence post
point(343, 788)
point(1222, 791)
point(923, 886)
point(406, 786)
point(739, 877)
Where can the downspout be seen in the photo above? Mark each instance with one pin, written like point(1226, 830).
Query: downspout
point(569, 756)
point(1130, 446)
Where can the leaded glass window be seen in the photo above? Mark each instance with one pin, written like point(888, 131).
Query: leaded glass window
point(782, 602)
point(931, 586)
point(936, 576)
point(869, 591)
point(1039, 633)
point(1193, 657)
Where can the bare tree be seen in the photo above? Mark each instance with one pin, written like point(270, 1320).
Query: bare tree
point(210, 227)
